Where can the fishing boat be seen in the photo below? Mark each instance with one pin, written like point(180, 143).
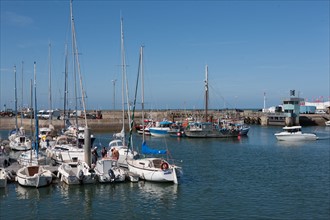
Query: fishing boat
point(176, 130)
point(150, 168)
point(210, 129)
point(161, 128)
point(144, 127)
point(76, 173)
point(3, 177)
point(294, 133)
point(108, 171)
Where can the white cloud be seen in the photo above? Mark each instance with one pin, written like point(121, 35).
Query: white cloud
point(11, 18)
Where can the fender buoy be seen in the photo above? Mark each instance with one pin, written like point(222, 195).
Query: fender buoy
point(81, 175)
point(111, 175)
point(6, 163)
point(60, 156)
point(164, 166)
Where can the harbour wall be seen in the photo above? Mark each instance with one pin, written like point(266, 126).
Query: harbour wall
point(112, 120)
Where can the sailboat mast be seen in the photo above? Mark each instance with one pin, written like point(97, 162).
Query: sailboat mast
point(16, 125)
point(36, 143)
point(206, 93)
point(74, 64)
point(31, 106)
point(50, 83)
point(65, 83)
point(22, 97)
point(76, 55)
point(134, 104)
point(142, 91)
point(123, 66)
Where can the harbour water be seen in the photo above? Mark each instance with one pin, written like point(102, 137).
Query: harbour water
point(254, 177)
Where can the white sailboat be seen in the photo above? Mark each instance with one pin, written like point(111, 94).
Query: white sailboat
point(46, 134)
point(34, 175)
point(119, 138)
point(33, 156)
point(69, 147)
point(77, 170)
point(17, 137)
point(151, 169)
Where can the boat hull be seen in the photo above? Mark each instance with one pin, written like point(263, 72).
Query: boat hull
point(76, 173)
point(3, 178)
point(66, 154)
point(145, 172)
point(107, 171)
point(211, 134)
point(34, 176)
point(296, 137)
point(159, 132)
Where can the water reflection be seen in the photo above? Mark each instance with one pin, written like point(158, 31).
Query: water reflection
point(32, 193)
point(292, 143)
point(157, 191)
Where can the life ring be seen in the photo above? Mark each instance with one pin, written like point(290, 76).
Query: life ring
point(164, 166)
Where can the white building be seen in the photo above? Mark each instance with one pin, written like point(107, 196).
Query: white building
point(319, 105)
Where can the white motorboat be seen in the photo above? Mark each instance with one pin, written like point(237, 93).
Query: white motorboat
point(294, 133)
point(36, 176)
point(76, 173)
point(3, 177)
point(327, 123)
point(107, 170)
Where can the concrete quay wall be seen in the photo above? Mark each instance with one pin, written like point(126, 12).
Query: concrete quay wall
point(112, 120)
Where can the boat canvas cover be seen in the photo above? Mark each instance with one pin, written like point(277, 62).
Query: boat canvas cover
point(147, 150)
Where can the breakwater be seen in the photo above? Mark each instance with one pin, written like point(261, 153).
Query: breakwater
point(112, 120)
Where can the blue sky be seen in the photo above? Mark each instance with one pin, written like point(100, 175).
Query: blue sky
point(250, 47)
